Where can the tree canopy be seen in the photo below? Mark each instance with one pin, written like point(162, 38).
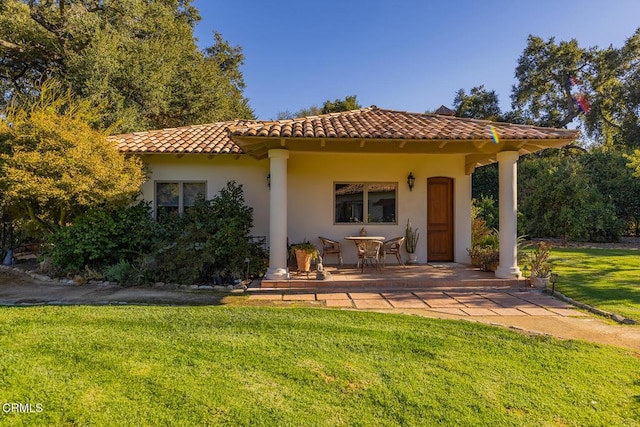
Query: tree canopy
point(54, 165)
point(558, 83)
point(576, 192)
point(113, 52)
point(478, 104)
point(348, 103)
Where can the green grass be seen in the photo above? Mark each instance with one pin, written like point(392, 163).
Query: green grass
point(607, 279)
point(137, 366)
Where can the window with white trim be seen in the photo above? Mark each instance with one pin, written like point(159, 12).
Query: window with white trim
point(366, 202)
point(174, 198)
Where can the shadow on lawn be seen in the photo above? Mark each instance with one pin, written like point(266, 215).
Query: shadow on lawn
point(598, 277)
point(20, 289)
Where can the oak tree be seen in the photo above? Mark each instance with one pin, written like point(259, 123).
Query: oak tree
point(139, 56)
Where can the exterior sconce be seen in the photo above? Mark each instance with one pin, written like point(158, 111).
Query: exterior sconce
point(269, 180)
point(411, 180)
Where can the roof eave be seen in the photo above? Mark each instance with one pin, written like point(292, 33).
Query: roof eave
point(259, 146)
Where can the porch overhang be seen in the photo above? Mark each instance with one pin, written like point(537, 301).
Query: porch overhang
point(477, 152)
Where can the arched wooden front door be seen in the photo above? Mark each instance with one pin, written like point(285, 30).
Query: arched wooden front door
point(439, 219)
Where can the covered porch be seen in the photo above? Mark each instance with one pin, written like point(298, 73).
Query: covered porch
point(311, 157)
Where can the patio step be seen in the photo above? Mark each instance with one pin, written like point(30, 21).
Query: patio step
point(361, 285)
point(419, 276)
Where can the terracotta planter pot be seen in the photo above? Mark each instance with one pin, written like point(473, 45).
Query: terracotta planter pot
point(539, 282)
point(303, 260)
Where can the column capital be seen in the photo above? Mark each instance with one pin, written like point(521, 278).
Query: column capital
point(278, 153)
point(508, 156)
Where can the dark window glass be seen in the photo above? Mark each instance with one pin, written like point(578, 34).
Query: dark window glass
point(381, 203)
point(377, 202)
point(349, 203)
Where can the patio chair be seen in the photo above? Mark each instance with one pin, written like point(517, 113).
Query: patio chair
point(392, 247)
point(331, 247)
point(369, 250)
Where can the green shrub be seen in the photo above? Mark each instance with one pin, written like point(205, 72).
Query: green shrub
point(559, 200)
point(486, 208)
point(120, 272)
point(103, 237)
point(210, 243)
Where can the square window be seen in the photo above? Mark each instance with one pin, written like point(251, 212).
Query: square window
point(367, 203)
point(172, 198)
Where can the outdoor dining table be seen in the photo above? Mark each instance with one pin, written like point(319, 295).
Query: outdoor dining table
point(360, 238)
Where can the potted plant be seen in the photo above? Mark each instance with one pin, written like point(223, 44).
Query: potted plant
point(411, 242)
point(304, 253)
point(538, 261)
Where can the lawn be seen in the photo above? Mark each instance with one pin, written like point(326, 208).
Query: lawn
point(603, 278)
point(197, 366)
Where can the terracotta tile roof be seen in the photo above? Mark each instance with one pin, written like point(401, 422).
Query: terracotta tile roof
point(376, 123)
point(204, 139)
point(370, 123)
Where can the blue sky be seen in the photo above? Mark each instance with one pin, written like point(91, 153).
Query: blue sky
point(406, 55)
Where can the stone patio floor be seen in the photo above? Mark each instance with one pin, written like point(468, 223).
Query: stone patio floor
point(459, 303)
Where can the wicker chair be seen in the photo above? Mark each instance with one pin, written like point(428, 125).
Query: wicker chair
point(331, 247)
point(392, 247)
point(369, 250)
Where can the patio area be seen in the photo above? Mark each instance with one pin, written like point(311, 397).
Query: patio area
point(446, 289)
point(432, 276)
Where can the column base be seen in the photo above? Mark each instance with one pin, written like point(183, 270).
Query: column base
point(277, 273)
point(508, 273)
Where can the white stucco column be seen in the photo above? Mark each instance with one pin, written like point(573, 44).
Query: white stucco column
point(508, 206)
point(278, 216)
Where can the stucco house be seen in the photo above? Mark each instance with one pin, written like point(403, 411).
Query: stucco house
point(331, 175)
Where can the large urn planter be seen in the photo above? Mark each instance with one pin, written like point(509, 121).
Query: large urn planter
point(304, 253)
point(538, 259)
point(303, 259)
point(539, 282)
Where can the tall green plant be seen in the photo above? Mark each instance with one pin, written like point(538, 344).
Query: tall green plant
point(411, 238)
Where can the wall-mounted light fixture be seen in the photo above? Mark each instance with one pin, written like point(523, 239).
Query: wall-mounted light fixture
point(411, 180)
point(269, 180)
